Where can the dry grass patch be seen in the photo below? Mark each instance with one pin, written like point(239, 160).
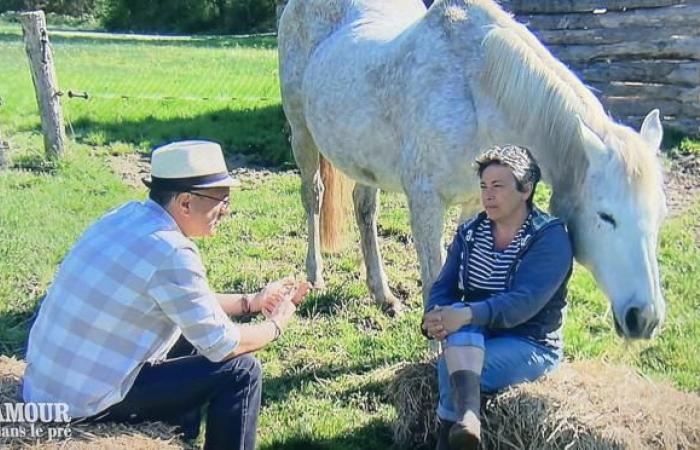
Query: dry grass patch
point(146, 436)
point(582, 405)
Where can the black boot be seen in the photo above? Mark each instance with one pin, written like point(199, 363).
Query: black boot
point(465, 434)
point(443, 442)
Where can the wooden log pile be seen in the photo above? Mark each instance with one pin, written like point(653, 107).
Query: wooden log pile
point(636, 54)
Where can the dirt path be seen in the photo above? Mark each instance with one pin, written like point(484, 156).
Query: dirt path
point(132, 168)
point(682, 180)
point(681, 177)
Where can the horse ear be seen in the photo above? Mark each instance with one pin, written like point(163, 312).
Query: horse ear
point(652, 131)
point(594, 147)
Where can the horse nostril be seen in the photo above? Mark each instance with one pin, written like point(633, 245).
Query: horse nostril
point(633, 320)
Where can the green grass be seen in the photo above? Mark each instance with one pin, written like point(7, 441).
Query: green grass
point(147, 90)
point(689, 147)
point(325, 378)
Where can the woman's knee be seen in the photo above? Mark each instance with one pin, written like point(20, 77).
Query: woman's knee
point(467, 336)
point(510, 368)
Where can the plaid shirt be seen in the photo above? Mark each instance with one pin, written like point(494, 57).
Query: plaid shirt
point(122, 296)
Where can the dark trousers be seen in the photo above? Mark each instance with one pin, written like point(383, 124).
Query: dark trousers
point(176, 390)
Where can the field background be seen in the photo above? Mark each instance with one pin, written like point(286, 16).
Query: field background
point(323, 386)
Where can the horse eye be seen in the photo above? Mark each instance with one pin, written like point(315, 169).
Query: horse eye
point(605, 217)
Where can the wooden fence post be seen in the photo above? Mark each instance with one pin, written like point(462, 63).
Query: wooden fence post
point(279, 9)
point(4, 157)
point(36, 41)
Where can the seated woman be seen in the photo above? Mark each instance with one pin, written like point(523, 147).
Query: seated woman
point(498, 304)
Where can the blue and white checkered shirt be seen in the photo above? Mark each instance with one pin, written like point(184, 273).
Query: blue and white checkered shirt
point(122, 296)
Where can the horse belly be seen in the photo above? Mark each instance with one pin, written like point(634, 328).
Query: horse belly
point(347, 124)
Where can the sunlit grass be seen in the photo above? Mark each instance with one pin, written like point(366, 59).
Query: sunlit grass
point(325, 379)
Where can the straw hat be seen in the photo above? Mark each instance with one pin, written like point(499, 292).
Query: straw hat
point(185, 165)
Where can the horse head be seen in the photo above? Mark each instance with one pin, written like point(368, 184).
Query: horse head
point(616, 218)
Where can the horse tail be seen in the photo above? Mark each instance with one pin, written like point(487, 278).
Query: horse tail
point(335, 209)
point(304, 24)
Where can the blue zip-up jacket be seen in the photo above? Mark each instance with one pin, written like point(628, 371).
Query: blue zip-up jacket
point(534, 302)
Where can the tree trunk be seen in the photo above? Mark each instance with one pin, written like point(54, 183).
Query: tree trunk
point(637, 105)
point(657, 91)
point(45, 82)
point(683, 48)
point(568, 6)
point(687, 125)
point(683, 73)
point(280, 9)
point(669, 17)
point(4, 157)
point(598, 36)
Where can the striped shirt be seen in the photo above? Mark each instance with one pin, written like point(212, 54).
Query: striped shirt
point(127, 290)
point(488, 267)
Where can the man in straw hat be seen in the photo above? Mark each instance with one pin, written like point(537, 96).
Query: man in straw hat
point(130, 329)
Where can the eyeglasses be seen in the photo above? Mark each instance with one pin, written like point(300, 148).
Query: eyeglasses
point(224, 201)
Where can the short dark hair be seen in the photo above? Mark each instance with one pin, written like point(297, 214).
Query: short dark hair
point(163, 197)
point(520, 162)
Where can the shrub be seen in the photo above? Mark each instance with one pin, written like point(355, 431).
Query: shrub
point(75, 8)
point(190, 16)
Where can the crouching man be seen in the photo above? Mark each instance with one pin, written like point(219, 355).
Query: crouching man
point(130, 330)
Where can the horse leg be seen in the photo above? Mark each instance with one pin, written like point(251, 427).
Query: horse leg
point(427, 224)
point(366, 201)
point(307, 157)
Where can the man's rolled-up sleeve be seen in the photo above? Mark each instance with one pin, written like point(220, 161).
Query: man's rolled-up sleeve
point(180, 288)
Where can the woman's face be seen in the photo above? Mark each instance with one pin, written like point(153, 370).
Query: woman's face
point(499, 193)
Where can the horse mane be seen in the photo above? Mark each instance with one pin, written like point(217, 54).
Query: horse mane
point(534, 88)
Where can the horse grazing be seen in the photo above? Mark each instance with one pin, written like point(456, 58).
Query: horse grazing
point(402, 99)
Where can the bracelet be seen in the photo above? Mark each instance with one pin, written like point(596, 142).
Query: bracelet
point(246, 304)
point(278, 329)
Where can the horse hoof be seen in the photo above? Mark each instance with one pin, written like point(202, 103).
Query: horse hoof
point(394, 309)
point(318, 285)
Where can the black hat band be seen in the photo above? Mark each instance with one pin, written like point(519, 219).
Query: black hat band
point(184, 184)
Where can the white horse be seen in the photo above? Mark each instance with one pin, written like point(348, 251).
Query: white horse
point(402, 99)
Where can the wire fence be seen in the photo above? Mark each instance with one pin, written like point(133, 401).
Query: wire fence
point(144, 90)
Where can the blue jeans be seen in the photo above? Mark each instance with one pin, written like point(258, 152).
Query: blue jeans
point(177, 389)
point(508, 360)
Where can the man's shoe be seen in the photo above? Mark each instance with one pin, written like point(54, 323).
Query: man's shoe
point(190, 423)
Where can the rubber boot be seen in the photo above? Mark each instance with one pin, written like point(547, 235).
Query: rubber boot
point(443, 442)
point(465, 434)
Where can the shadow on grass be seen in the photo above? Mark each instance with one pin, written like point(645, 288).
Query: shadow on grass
point(374, 435)
point(326, 303)
point(14, 328)
point(34, 162)
point(277, 389)
point(255, 132)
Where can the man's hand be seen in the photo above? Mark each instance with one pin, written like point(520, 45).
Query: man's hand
point(266, 300)
point(300, 292)
point(282, 313)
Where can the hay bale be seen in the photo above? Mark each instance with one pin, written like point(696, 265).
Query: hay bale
point(146, 436)
point(582, 405)
point(414, 394)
